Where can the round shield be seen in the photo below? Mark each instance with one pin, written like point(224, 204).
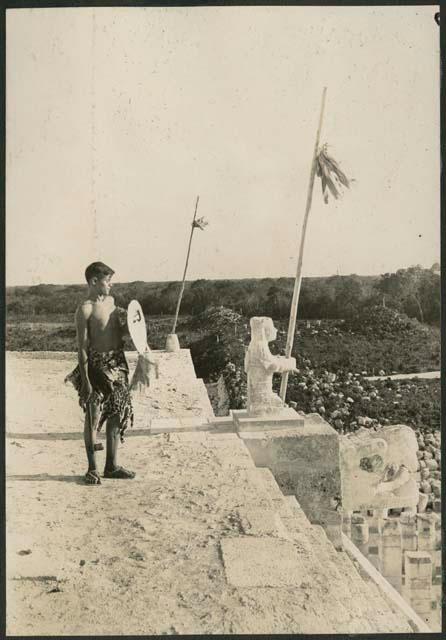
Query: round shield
point(137, 326)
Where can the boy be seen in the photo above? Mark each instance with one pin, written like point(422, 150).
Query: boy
point(101, 377)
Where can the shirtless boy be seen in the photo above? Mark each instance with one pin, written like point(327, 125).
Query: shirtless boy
point(101, 377)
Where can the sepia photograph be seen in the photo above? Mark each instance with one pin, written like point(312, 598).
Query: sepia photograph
point(223, 337)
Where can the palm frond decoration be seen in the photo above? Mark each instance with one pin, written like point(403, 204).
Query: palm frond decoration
point(331, 175)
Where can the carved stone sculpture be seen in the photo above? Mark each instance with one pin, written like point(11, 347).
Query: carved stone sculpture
point(378, 469)
point(260, 365)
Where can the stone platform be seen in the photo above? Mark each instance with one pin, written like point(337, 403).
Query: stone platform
point(201, 542)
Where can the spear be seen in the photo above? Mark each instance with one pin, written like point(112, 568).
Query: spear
point(199, 223)
point(298, 280)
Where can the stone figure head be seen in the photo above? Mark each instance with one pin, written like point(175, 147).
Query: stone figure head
point(378, 468)
point(262, 332)
point(263, 329)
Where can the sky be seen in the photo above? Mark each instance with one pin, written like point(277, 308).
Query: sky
point(117, 118)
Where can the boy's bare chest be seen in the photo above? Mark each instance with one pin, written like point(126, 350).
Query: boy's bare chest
point(103, 316)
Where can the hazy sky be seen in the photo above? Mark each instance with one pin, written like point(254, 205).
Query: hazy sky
point(117, 118)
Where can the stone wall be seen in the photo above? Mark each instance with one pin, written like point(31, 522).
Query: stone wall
point(305, 464)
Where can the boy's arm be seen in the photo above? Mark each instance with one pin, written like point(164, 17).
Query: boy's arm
point(82, 315)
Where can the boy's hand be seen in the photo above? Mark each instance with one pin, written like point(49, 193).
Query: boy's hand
point(86, 391)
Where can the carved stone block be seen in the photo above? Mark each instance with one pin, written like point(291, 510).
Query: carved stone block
point(379, 469)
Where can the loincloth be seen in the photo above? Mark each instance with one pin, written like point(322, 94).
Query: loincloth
point(108, 373)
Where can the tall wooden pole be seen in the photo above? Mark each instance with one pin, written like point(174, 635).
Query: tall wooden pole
point(185, 268)
point(298, 280)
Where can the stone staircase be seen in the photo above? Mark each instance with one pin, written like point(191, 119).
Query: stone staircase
point(350, 603)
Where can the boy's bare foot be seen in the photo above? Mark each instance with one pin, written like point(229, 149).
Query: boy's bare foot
point(119, 473)
point(99, 446)
point(92, 477)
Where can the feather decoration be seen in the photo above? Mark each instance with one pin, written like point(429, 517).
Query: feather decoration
point(331, 175)
point(200, 223)
point(146, 368)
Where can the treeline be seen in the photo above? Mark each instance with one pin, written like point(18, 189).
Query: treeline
point(414, 291)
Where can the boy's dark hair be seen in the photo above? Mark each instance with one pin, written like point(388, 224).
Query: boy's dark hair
point(97, 270)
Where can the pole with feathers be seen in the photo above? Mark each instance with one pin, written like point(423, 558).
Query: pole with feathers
point(199, 223)
point(332, 180)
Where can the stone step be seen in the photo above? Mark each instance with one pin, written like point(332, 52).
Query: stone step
point(320, 556)
point(367, 610)
point(376, 607)
point(311, 541)
point(352, 589)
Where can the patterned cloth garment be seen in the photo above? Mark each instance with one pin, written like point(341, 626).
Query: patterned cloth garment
point(108, 374)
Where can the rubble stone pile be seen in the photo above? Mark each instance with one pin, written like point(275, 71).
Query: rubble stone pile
point(382, 322)
point(429, 460)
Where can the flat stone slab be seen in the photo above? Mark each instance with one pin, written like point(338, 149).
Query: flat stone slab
point(261, 562)
point(262, 523)
point(287, 418)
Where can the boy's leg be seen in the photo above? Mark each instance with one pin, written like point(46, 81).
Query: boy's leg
point(112, 470)
point(112, 431)
point(91, 420)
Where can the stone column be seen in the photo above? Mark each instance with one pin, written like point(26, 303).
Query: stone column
point(347, 523)
point(429, 541)
point(418, 582)
point(422, 502)
point(409, 534)
point(427, 531)
point(436, 561)
point(375, 539)
point(360, 533)
point(391, 553)
point(436, 488)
